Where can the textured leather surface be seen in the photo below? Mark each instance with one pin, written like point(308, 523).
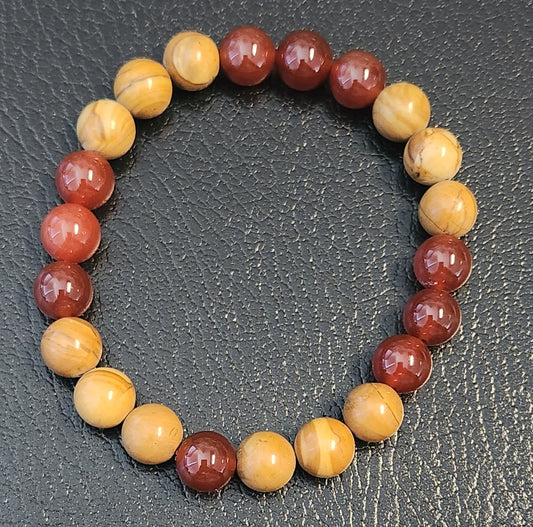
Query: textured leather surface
point(257, 248)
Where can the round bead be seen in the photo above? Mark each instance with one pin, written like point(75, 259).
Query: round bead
point(444, 262)
point(303, 60)
point(206, 461)
point(143, 87)
point(265, 461)
point(400, 110)
point(432, 155)
point(106, 127)
point(402, 362)
point(247, 55)
point(432, 316)
point(192, 60)
point(85, 178)
point(324, 447)
point(356, 79)
point(71, 346)
point(447, 207)
point(70, 232)
point(151, 433)
point(373, 411)
point(62, 289)
point(103, 397)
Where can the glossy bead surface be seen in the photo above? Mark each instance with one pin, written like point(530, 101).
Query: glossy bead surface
point(106, 127)
point(324, 447)
point(444, 262)
point(403, 362)
point(432, 155)
point(62, 289)
point(70, 232)
point(373, 412)
point(71, 346)
point(103, 397)
point(192, 60)
point(265, 461)
point(151, 433)
point(85, 178)
point(447, 207)
point(401, 110)
point(205, 461)
point(433, 316)
point(247, 55)
point(356, 79)
point(143, 87)
point(303, 60)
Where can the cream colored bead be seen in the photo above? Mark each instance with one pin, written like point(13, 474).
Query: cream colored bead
point(106, 127)
point(448, 207)
point(143, 86)
point(103, 397)
point(432, 155)
point(192, 60)
point(151, 433)
point(401, 110)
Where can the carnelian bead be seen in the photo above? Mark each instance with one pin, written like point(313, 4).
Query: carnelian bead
point(70, 232)
point(62, 289)
point(86, 178)
point(444, 262)
point(303, 60)
point(433, 316)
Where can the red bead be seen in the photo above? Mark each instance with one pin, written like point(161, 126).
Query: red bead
point(70, 232)
point(247, 55)
point(356, 79)
point(206, 461)
point(62, 289)
point(432, 316)
point(403, 362)
point(86, 178)
point(443, 262)
point(303, 60)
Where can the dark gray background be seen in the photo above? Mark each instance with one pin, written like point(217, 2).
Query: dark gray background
point(257, 249)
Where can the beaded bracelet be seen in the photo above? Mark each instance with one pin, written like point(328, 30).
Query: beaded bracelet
point(152, 433)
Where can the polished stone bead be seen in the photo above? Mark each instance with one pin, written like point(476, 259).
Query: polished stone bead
point(62, 289)
point(85, 178)
point(356, 79)
point(70, 232)
point(444, 262)
point(403, 362)
point(205, 461)
point(151, 433)
point(433, 316)
point(303, 60)
point(373, 412)
point(247, 55)
point(324, 447)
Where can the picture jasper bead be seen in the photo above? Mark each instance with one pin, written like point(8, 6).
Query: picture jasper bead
point(71, 346)
point(373, 412)
point(324, 447)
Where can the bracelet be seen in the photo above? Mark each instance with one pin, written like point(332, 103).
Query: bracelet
point(152, 433)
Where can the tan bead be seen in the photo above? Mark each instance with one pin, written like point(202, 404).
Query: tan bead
point(401, 110)
point(71, 346)
point(432, 155)
point(151, 433)
point(143, 87)
point(265, 461)
point(192, 60)
point(105, 126)
point(373, 411)
point(324, 447)
point(448, 207)
point(103, 397)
